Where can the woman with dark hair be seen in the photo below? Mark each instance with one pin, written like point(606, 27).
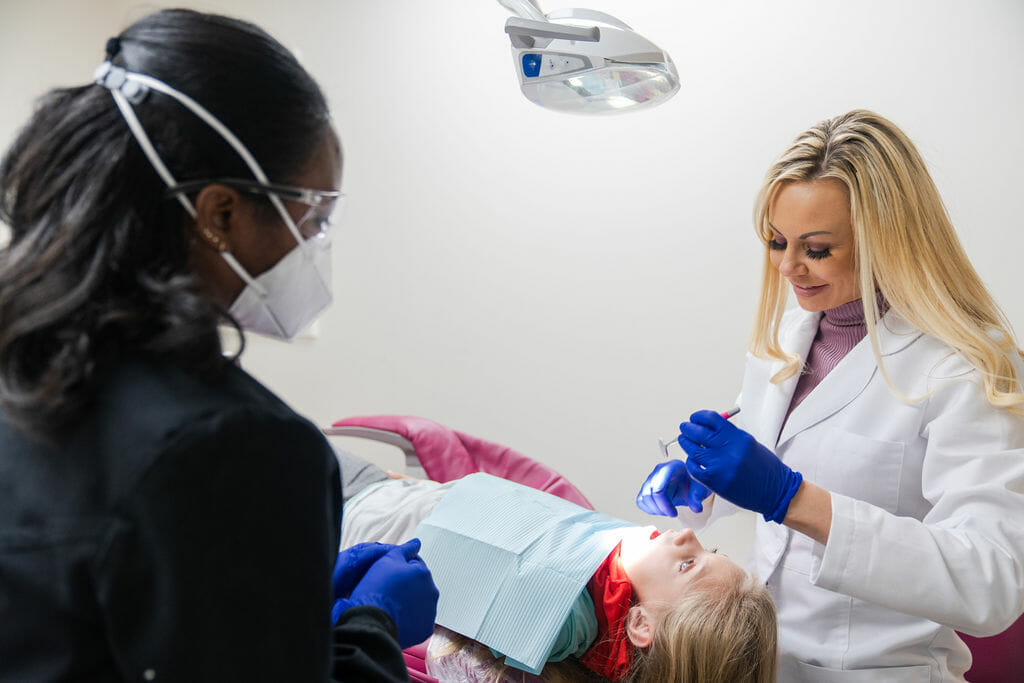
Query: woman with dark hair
point(162, 515)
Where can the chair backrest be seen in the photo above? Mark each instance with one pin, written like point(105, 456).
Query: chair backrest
point(447, 454)
point(997, 658)
point(416, 663)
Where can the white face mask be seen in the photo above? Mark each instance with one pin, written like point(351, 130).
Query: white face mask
point(285, 300)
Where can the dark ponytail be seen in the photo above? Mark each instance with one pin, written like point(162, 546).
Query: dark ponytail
point(98, 261)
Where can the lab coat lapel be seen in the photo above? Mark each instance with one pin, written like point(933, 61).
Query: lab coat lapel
point(778, 396)
point(849, 378)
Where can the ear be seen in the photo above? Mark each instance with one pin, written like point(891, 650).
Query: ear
point(639, 626)
point(215, 206)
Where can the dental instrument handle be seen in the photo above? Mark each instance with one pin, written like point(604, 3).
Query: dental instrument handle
point(664, 444)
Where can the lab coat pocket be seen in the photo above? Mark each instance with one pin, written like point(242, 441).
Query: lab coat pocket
point(863, 468)
point(891, 674)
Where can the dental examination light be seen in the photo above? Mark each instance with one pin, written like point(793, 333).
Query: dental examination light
point(586, 62)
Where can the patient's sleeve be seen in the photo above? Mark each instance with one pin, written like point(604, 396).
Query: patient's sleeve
point(388, 511)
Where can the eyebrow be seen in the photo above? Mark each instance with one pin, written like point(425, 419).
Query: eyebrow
point(806, 234)
point(702, 569)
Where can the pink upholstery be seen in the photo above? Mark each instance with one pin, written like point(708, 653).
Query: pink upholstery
point(416, 663)
point(446, 454)
point(997, 658)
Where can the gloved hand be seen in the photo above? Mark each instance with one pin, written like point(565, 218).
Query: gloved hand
point(734, 465)
point(668, 486)
point(400, 584)
point(352, 564)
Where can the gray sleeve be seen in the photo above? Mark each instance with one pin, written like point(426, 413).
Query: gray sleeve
point(389, 512)
point(356, 473)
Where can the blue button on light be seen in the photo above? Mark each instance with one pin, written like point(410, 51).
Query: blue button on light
point(531, 65)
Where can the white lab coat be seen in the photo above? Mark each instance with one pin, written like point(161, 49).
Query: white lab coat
point(927, 530)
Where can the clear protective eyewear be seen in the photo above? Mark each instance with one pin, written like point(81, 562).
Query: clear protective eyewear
point(315, 222)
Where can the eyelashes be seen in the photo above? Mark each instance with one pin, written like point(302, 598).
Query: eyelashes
point(815, 254)
point(686, 564)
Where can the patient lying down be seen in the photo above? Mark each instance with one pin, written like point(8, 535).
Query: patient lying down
point(660, 608)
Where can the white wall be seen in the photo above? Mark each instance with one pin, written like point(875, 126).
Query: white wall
point(575, 287)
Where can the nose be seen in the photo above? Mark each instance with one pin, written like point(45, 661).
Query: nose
point(685, 536)
point(791, 263)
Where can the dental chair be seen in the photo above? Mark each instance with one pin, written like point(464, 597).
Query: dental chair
point(997, 658)
point(443, 454)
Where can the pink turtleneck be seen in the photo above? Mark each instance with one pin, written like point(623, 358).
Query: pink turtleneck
point(839, 331)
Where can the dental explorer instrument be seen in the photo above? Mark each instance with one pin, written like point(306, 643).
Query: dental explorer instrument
point(663, 445)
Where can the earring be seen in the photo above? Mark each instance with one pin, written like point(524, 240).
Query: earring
point(213, 240)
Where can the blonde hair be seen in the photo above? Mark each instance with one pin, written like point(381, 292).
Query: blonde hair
point(492, 668)
point(722, 634)
point(905, 249)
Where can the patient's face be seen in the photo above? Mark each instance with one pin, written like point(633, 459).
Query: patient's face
point(663, 569)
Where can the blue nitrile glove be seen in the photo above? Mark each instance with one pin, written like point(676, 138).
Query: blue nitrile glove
point(352, 563)
point(668, 486)
point(400, 584)
point(734, 465)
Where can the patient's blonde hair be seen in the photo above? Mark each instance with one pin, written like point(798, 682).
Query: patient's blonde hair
point(491, 668)
point(905, 248)
point(721, 632)
point(725, 633)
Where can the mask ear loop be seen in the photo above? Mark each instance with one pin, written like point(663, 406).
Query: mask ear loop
point(127, 87)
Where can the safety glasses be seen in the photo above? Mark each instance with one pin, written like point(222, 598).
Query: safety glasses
point(315, 222)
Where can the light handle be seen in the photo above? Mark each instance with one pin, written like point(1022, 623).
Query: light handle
point(522, 32)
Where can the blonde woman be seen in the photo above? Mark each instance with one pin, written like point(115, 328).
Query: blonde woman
point(881, 435)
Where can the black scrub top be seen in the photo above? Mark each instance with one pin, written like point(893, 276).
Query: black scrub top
point(184, 530)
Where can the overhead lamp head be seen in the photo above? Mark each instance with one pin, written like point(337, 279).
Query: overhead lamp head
point(587, 62)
